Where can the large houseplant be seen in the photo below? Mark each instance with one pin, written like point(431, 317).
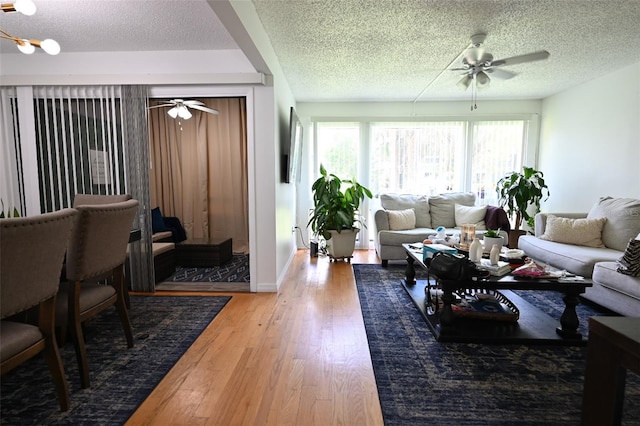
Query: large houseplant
point(517, 192)
point(335, 210)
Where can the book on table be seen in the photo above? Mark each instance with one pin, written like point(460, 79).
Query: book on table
point(502, 268)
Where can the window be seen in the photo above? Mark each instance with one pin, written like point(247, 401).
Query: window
point(338, 147)
point(424, 157)
point(416, 158)
point(429, 157)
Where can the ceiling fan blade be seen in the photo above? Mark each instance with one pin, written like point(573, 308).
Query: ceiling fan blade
point(192, 103)
point(501, 74)
point(160, 106)
point(203, 108)
point(536, 56)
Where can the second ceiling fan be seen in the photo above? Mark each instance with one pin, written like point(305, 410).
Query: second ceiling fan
point(180, 108)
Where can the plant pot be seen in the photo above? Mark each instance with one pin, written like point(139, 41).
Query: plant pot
point(491, 241)
point(341, 245)
point(514, 236)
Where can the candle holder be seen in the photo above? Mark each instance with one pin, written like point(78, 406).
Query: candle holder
point(467, 235)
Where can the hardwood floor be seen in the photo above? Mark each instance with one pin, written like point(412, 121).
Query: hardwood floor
point(298, 357)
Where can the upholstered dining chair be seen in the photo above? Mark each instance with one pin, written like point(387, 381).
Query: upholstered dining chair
point(95, 199)
point(97, 249)
point(31, 255)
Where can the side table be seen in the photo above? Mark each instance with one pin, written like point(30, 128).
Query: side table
point(613, 348)
point(205, 252)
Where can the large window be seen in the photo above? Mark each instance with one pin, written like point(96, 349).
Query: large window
point(338, 148)
point(423, 157)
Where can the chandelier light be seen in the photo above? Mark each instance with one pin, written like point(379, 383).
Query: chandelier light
point(27, 46)
point(26, 7)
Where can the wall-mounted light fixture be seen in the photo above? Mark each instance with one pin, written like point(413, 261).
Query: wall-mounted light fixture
point(27, 46)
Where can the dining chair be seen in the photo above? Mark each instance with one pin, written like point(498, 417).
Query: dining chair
point(97, 249)
point(95, 199)
point(32, 252)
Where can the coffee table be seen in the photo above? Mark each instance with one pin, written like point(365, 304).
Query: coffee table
point(533, 325)
point(204, 252)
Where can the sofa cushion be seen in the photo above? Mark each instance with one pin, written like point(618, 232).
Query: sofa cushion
point(396, 238)
point(623, 220)
point(576, 259)
point(606, 274)
point(157, 224)
point(442, 207)
point(401, 219)
point(419, 203)
point(470, 215)
point(581, 232)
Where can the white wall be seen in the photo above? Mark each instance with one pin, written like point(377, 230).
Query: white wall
point(275, 215)
point(590, 141)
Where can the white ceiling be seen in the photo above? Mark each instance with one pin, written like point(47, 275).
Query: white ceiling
point(367, 50)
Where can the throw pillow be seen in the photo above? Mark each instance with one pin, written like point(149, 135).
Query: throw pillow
point(419, 203)
point(623, 220)
point(629, 263)
point(157, 224)
point(442, 207)
point(581, 232)
point(400, 220)
point(470, 215)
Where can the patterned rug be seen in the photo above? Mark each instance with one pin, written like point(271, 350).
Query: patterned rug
point(424, 382)
point(164, 328)
point(235, 271)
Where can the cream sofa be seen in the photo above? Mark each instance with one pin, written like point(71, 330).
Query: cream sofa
point(611, 289)
point(397, 225)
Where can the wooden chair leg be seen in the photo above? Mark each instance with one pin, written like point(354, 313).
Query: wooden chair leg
point(121, 304)
point(78, 335)
point(52, 354)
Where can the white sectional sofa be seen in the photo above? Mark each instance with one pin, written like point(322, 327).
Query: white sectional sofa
point(559, 239)
point(397, 225)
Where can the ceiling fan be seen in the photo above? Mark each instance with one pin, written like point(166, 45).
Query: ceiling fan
point(180, 108)
point(478, 64)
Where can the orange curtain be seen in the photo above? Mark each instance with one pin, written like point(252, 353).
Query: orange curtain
point(198, 169)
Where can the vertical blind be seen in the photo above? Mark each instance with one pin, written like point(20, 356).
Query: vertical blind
point(79, 143)
point(88, 139)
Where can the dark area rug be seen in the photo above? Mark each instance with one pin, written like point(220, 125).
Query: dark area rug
point(423, 382)
point(234, 271)
point(163, 327)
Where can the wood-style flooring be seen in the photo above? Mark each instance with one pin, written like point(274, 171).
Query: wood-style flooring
point(298, 357)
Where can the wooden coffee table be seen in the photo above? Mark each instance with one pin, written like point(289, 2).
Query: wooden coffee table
point(204, 252)
point(533, 326)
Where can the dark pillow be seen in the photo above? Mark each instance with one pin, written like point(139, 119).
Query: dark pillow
point(629, 263)
point(157, 224)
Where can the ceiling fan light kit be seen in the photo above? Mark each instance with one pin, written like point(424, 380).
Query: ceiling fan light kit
point(27, 46)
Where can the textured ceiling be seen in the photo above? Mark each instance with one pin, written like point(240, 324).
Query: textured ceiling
point(367, 50)
point(394, 49)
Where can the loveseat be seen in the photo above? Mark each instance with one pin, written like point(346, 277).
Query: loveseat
point(590, 244)
point(408, 218)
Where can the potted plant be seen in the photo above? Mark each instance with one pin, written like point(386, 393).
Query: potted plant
point(516, 193)
point(492, 237)
point(335, 210)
